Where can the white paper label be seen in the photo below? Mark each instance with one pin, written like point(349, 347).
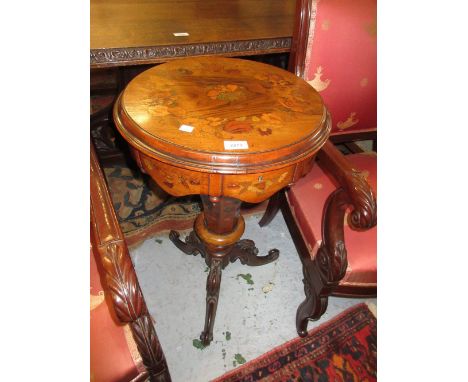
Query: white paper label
point(235, 145)
point(180, 34)
point(186, 128)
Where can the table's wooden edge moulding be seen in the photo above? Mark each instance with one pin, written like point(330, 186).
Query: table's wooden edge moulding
point(106, 57)
point(220, 162)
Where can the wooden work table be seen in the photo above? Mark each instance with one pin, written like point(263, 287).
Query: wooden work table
point(130, 32)
point(230, 130)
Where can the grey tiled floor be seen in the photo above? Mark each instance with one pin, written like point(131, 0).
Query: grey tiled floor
point(258, 316)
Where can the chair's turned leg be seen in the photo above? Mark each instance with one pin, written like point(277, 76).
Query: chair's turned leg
point(271, 210)
point(213, 283)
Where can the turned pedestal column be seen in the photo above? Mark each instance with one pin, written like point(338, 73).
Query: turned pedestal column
point(230, 130)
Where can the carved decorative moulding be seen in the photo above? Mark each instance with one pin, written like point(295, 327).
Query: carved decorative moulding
point(155, 54)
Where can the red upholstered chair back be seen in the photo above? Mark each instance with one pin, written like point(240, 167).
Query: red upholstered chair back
point(335, 49)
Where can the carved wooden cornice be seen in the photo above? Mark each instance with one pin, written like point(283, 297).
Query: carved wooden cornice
point(154, 54)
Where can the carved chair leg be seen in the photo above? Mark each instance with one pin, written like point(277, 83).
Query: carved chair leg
point(213, 283)
point(311, 309)
point(271, 210)
point(316, 301)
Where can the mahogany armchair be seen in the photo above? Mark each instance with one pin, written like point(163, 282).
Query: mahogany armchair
point(332, 212)
point(124, 343)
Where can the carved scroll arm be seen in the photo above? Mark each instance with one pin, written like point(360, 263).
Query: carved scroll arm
point(121, 282)
point(353, 191)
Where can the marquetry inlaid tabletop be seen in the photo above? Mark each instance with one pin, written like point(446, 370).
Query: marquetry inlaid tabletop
point(231, 112)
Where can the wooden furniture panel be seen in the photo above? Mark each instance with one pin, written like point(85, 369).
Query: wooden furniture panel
point(127, 32)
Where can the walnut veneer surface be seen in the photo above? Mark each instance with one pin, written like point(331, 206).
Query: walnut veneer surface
point(280, 118)
point(127, 32)
point(181, 119)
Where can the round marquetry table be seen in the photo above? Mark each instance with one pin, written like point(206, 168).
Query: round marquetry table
point(230, 130)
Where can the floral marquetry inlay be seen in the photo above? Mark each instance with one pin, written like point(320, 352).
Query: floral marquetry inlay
point(222, 99)
point(222, 127)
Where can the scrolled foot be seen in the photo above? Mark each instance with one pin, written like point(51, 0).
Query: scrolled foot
point(311, 309)
point(191, 246)
point(246, 251)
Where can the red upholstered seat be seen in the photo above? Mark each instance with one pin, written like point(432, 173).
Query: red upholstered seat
point(114, 355)
point(307, 199)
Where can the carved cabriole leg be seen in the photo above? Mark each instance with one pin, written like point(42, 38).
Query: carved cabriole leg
point(213, 283)
point(314, 305)
point(329, 265)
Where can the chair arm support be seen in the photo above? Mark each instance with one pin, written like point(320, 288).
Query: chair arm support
point(120, 278)
point(359, 194)
point(353, 191)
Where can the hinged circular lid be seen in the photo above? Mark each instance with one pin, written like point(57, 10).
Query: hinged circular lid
point(222, 115)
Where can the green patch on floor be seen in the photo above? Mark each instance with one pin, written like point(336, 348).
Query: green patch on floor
point(198, 344)
point(228, 336)
point(247, 277)
point(238, 359)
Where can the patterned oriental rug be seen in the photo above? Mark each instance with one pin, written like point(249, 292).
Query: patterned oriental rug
point(343, 349)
